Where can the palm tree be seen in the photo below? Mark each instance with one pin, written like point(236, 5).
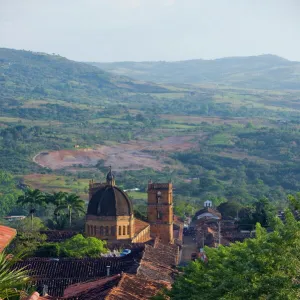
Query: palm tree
point(33, 198)
point(72, 202)
point(57, 199)
point(11, 280)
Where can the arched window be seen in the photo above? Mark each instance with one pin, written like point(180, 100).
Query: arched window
point(95, 230)
point(106, 230)
point(124, 230)
point(128, 229)
point(120, 230)
point(88, 229)
point(101, 230)
point(158, 197)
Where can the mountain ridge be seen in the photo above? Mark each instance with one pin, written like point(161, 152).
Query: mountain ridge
point(25, 73)
point(266, 71)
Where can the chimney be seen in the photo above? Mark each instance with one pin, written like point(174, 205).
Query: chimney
point(107, 271)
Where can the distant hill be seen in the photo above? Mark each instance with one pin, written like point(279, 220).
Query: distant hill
point(29, 74)
point(263, 71)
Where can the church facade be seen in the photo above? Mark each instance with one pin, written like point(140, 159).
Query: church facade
point(110, 214)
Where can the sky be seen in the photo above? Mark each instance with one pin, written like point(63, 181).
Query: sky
point(152, 30)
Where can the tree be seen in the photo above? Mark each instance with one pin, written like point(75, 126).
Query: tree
point(71, 203)
point(33, 198)
point(265, 267)
point(57, 199)
point(78, 246)
point(11, 280)
point(229, 209)
point(294, 201)
point(34, 224)
point(263, 212)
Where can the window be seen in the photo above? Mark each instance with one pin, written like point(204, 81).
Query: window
point(158, 197)
point(120, 230)
point(101, 230)
point(95, 230)
point(124, 230)
point(128, 229)
point(106, 230)
point(159, 216)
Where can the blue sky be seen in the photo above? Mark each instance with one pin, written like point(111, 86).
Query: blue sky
point(147, 30)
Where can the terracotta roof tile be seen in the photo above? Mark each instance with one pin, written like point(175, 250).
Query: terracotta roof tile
point(6, 235)
point(57, 275)
point(92, 289)
point(133, 287)
point(208, 210)
point(139, 225)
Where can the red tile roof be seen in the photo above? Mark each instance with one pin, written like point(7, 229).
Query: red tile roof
point(97, 288)
point(6, 235)
point(139, 225)
point(133, 287)
point(58, 275)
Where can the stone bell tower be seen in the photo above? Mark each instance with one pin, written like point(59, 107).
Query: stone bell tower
point(160, 211)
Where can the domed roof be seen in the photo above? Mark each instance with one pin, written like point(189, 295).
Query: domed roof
point(110, 201)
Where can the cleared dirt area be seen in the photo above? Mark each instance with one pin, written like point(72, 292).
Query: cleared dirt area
point(134, 155)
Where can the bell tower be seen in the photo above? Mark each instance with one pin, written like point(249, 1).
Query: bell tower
point(160, 211)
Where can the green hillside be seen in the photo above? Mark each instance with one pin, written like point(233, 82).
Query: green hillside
point(264, 71)
point(25, 74)
point(63, 122)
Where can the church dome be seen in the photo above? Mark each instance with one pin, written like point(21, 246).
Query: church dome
point(110, 200)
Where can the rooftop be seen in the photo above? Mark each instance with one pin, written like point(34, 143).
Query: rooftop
point(57, 275)
point(141, 276)
point(6, 236)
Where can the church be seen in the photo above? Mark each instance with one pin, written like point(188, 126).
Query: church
point(110, 214)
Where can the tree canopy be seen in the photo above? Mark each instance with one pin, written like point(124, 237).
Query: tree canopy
point(265, 267)
point(77, 247)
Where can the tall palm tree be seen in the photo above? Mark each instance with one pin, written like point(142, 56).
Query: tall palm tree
point(57, 199)
point(71, 203)
point(11, 280)
point(33, 198)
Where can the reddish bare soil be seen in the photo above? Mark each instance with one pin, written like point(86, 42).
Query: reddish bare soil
point(134, 155)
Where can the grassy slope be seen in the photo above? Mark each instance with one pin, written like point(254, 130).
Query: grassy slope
point(26, 74)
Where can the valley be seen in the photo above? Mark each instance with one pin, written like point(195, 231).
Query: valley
point(211, 140)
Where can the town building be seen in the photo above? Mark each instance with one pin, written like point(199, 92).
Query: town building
point(110, 214)
point(150, 266)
